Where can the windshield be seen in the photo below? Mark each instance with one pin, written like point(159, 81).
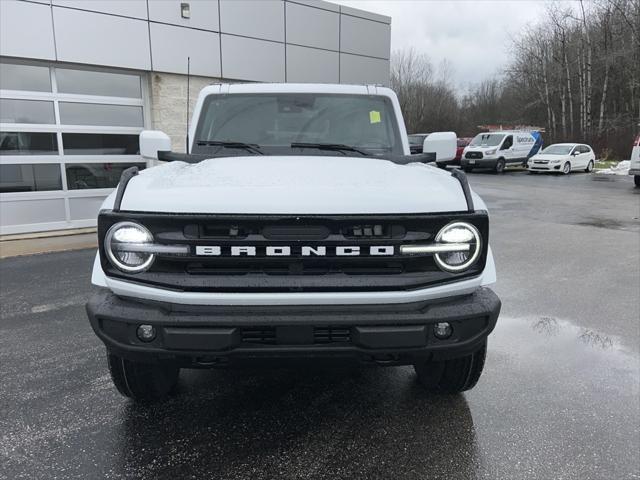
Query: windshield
point(558, 150)
point(487, 140)
point(273, 121)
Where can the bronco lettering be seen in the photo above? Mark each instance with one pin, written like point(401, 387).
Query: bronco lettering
point(287, 251)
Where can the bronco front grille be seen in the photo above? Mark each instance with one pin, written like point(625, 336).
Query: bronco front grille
point(292, 272)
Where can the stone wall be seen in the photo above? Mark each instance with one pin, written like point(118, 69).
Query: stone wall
point(168, 104)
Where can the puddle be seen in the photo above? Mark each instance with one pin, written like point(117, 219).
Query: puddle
point(552, 327)
point(557, 400)
point(609, 224)
point(555, 353)
point(560, 338)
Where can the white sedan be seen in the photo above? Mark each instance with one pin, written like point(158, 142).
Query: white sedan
point(563, 158)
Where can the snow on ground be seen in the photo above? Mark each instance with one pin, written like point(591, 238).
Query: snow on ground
point(622, 168)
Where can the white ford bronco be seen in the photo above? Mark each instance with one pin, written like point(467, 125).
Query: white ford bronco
point(296, 226)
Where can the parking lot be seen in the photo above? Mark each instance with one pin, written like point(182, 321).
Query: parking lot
point(559, 398)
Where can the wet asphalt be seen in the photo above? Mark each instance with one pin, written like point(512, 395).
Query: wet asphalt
point(559, 397)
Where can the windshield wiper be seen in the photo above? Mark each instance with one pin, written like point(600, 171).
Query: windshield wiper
point(249, 147)
point(337, 147)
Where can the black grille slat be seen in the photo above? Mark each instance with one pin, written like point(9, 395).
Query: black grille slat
point(331, 335)
point(267, 335)
point(259, 335)
point(369, 266)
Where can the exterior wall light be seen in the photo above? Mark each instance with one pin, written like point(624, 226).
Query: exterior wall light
point(185, 10)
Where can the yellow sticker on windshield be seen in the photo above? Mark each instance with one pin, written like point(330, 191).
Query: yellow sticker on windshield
point(374, 116)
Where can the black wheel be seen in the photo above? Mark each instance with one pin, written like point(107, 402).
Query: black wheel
point(566, 168)
point(589, 168)
point(467, 169)
point(452, 376)
point(500, 164)
point(142, 381)
point(636, 180)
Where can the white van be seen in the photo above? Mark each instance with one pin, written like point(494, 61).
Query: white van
point(497, 150)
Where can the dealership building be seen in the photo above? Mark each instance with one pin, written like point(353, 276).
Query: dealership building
point(80, 79)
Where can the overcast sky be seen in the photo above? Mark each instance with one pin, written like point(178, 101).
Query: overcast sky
point(473, 35)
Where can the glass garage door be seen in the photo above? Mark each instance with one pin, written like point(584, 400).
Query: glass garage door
point(66, 134)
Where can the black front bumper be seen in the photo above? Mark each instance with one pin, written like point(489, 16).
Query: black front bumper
point(210, 335)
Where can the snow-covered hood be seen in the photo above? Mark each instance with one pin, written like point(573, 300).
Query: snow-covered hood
point(294, 185)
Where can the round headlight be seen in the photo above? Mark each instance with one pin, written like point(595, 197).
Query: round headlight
point(460, 233)
point(124, 245)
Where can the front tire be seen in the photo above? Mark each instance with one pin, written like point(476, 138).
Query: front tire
point(636, 180)
point(500, 165)
point(589, 168)
point(566, 168)
point(142, 381)
point(452, 376)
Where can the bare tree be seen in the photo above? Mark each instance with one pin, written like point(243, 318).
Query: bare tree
point(576, 72)
point(427, 104)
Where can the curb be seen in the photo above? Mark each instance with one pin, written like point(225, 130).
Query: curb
point(33, 246)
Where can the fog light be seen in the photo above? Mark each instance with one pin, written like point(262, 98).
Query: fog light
point(442, 330)
point(146, 333)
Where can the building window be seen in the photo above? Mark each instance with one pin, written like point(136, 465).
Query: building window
point(86, 82)
point(30, 177)
point(72, 113)
point(100, 144)
point(28, 143)
point(26, 111)
point(24, 77)
point(96, 175)
point(64, 129)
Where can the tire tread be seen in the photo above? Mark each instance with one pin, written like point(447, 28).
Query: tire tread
point(452, 376)
point(141, 381)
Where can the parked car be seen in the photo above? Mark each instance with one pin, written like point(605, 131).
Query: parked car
point(634, 167)
point(462, 142)
point(415, 142)
point(563, 158)
point(322, 239)
point(497, 150)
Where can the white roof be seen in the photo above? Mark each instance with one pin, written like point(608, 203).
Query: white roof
point(294, 88)
point(507, 131)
